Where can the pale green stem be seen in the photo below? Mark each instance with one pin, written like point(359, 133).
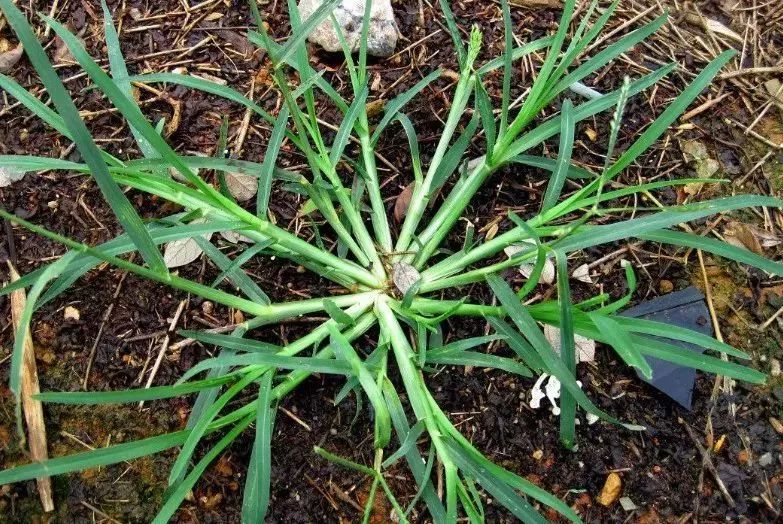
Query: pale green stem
point(421, 193)
point(379, 220)
point(417, 395)
point(450, 212)
point(194, 200)
point(428, 306)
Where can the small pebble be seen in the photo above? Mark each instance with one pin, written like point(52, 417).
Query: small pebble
point(774, 367)
point(765, 459)
point(665, 286)
point(71, 313)
point(627, 504)
point(611, 490)
point(538, 454)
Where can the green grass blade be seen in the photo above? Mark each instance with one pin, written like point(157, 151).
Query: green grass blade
point(413, 144)
point(183, 488)
point(23, 332)
point(38, 108)
point(622, 343)
point(451, 24)
point(297, 39)
point(611, 52)
point(268, 166)
point(230, 341)
point(116, 199)
point(554, 365)
point(500, 491)
point(516, 54)
point(670, 114)
point(91, 398)
point(468, 343)
point(420, 471)
point(518, 344)
point(685, 357)
point(94, 458)
point(556, 183)
point(406, 445)
point(200, 427)
point(508, 70)
point(585, 110)
point(567, 352)
point(482, 360)
point(669, 331)
point(345, 352)
point(484, 107)
point(255, 501)
point(716, 247)
point(344, 131)
point(128, 108)
point(119, 73)
point(337, 314)
point(397, 103)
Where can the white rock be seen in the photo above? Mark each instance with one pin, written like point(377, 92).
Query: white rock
point(8, 176)
point(774, 367)
point(381, 34)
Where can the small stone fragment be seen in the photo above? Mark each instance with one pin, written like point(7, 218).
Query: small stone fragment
point(611, 490)
point(774, 367)
point(71, 313)
point(538, 454)
point(381, 33)
point(665, 286)
point(765, 459)
point(627, 504)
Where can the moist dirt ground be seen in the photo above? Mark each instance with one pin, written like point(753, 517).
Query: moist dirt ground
point(663, 470)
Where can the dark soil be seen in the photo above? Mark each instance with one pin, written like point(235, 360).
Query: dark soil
point(661, 469)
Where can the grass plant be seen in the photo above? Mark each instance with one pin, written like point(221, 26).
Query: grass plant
point(238, 390)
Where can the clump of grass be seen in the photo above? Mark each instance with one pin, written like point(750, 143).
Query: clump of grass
point(390, 278)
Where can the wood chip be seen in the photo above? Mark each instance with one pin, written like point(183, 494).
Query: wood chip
point(33, 409)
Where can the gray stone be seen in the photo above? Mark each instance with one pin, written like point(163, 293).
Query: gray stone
point(381, 33)
point(765, 459)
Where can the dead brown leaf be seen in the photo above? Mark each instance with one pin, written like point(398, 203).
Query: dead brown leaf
point(749, 237)
point(402, 202)
point(10, 57)
point(62, 55)
point(242, 187)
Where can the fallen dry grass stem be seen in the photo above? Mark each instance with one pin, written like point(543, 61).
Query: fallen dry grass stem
point(33, 410)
